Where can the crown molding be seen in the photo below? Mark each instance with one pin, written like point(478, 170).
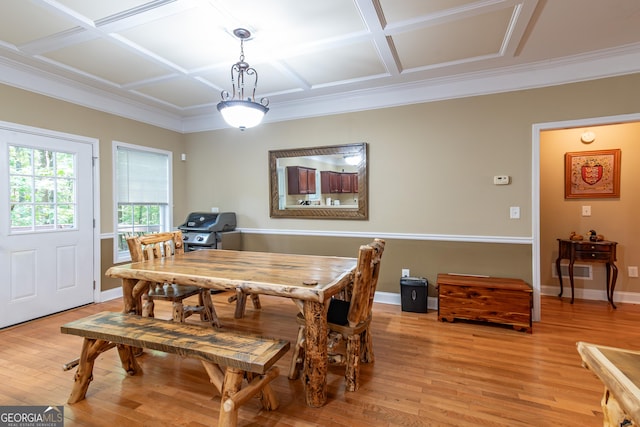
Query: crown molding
point(602, 64)
point(41, 82)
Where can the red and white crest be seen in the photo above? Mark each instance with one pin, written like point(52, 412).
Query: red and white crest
point(591, 174)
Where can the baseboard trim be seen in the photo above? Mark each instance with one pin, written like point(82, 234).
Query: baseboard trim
point(380, 297)
point(395, 299)
point(591, 294)
point(110, 294)
point(432, 302)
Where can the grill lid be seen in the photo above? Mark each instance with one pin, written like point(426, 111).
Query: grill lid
point(209, 222)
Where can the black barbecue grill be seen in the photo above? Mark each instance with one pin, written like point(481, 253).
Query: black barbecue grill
point(202, 230)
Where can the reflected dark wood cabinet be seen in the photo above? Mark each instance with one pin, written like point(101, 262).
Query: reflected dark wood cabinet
point(329, 182)
point(301, 180)
point(579, 250)
point(338, 182)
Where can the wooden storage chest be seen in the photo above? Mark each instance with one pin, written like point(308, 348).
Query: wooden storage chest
point(486, 299)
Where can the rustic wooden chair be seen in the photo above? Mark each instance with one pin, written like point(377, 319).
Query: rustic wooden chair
point(159, 245)
point(349, 319)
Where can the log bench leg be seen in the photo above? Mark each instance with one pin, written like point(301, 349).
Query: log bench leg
point(231, 386)
point(91, 349)
point(128, 359)
point(233, 395)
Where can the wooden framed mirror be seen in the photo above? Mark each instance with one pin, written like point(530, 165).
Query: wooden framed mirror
point(328, 182)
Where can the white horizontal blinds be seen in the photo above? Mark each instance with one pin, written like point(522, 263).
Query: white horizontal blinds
point(143, 177)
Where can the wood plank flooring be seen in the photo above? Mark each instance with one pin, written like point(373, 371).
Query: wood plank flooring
point(426, 373)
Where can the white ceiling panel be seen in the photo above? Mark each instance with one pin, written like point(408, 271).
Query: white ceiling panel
point(294, 22)
point(100, 9)
point(27, 22)
point(191, 39)
point(397, 11)
point(166, 61)
point(570, 27)
point(453, 41)
point(182, 92)
point(340, 64)
point(107, 60)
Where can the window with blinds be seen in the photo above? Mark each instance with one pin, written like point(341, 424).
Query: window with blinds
point(142, 191)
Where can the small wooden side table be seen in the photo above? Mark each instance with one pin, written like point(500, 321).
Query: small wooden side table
point(583, 250)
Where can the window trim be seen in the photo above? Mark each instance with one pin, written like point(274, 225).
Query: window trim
point(121, 256)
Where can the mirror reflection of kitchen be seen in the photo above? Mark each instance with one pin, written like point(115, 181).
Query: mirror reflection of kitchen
point(322, 181)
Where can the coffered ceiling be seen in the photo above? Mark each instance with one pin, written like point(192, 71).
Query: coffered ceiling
point(165, 62)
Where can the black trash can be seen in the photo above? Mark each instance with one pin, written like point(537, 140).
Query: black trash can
point(413, 294)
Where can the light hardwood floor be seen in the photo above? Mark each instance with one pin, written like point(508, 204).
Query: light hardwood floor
point(425, 373)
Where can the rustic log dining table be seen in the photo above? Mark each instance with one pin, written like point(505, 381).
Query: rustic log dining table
point(309, 280)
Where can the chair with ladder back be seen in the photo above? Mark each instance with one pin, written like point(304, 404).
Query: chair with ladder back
point(157, 245)
point(349, 320)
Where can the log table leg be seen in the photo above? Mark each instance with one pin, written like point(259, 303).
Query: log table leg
point(131, 306)
point(315, 360)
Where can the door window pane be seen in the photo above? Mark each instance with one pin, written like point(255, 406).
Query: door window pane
point(42, 189)
point(20, 161)
point(43, 162)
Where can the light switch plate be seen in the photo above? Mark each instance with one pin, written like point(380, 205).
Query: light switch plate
point(514, 212)
point(586, 211)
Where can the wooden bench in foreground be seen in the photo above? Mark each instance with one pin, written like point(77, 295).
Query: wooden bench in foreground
point(228, 357)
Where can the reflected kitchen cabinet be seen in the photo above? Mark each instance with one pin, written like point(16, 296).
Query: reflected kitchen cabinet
point(349, 183)
point(301, 180)
point(330, 182)
point(338, 182)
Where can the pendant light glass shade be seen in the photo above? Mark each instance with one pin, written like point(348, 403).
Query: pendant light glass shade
point(242, 114)
point(238, 110)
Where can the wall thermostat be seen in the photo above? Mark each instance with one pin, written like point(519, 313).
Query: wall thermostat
point(501, 179)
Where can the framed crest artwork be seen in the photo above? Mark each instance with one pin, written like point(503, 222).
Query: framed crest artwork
point(592, 174)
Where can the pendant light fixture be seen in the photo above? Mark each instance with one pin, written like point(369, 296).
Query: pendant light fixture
point(239, 108)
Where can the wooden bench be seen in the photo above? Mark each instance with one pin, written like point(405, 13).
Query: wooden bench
point(487, 299)
point(228, 357)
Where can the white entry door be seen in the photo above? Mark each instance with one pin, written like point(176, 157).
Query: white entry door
point(46, 224)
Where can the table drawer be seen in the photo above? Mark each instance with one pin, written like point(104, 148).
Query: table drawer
point(593, 247)
point(597, 256)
